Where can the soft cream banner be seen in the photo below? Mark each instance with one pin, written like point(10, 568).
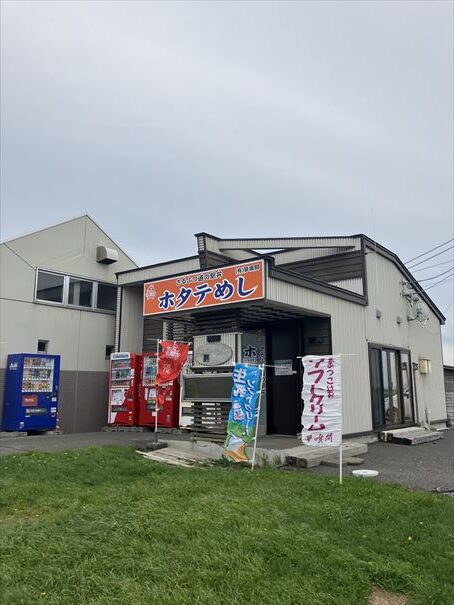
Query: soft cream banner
point(322, 397)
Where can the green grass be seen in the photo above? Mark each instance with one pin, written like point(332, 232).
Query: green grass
point(104, 526)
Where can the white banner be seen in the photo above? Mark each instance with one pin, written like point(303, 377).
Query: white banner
point(322, 397)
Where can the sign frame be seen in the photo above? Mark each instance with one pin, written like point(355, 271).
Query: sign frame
point(221, 303)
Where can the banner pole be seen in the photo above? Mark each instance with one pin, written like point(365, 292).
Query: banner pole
point(341, 427)
point(258, 418)
point(340, 463)
point(157, 386)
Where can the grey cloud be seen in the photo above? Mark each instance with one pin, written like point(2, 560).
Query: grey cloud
point(163, 119)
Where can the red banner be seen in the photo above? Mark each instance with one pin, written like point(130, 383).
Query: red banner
point(171, 360)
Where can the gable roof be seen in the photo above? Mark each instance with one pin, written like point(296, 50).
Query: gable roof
point(372, 244)
point(69, 220)
point(295, 243)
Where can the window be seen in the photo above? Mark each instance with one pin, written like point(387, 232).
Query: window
point(42, 346)
point(107, 297)
point(80, 292)
point(74, 291)
point(109, 350)
point(50, 287)
point(391, 387)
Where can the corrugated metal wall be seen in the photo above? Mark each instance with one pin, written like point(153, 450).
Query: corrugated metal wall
point(296, 242)
point(348, 265)
point(131, 329)
point(348, 336)
point(152, 331)
point(290, 256)
point(449, 390)
point(354, 285)
point(354, 326)
point(423, 339)
point(154, 272)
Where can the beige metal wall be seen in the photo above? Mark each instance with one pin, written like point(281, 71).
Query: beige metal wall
point(354, 285)
point(354, 326)
point(131, 324)
point(161, 270)
point(78, 336)
point(348, 336)
point(449, 390)
point(423, 340)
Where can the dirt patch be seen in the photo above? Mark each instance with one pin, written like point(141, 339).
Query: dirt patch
point(380, 597)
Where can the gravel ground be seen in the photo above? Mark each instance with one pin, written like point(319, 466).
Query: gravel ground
point(422, 467)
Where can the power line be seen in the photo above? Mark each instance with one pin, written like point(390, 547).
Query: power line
point(429, 257)
point(416, 281)
point(428, 251)
point(442, 281)
point(446, 262)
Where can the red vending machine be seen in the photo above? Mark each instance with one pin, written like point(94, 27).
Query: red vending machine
point(167, 395)
point(125, 369)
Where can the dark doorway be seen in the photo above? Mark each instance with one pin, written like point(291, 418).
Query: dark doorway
point(284, 410)
point(286, 341)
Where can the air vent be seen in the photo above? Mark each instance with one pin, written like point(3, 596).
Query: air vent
point(214, 338)
point(105, 255)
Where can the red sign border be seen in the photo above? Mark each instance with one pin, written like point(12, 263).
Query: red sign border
point(220, 304)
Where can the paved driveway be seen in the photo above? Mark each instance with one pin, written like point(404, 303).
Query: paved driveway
point(423, 467)
point(56, 442)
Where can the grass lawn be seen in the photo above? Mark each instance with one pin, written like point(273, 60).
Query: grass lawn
point(104, 526)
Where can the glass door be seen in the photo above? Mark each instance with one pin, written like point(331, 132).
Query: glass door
point(407, 390)
point(395, 390)
point(391, 387)
point(377, 388)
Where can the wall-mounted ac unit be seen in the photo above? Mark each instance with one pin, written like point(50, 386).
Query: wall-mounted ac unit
point(214, 350)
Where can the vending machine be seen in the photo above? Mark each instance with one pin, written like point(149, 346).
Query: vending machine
point(31, 392)
point(166, 397)
point(123, 389)
point(147, 390)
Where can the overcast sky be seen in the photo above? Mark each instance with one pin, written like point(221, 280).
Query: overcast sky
point(239, 119)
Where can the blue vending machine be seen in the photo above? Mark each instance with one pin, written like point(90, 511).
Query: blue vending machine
point(31, 392)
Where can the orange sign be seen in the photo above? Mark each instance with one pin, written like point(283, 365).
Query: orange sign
point(209, 288)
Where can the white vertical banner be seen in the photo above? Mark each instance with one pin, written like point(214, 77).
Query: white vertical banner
point(322, 396)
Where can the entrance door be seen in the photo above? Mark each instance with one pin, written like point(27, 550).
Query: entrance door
point(391, 387)
point(284, 413)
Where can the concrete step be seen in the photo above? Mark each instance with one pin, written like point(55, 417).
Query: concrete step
point(308, 456)
point(345, 462)
point(410, 436)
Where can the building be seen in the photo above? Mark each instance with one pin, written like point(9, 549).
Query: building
point(449, 389)
point(58, 295)
point(342, 295)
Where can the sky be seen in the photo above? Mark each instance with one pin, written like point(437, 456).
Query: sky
point(241, 119)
